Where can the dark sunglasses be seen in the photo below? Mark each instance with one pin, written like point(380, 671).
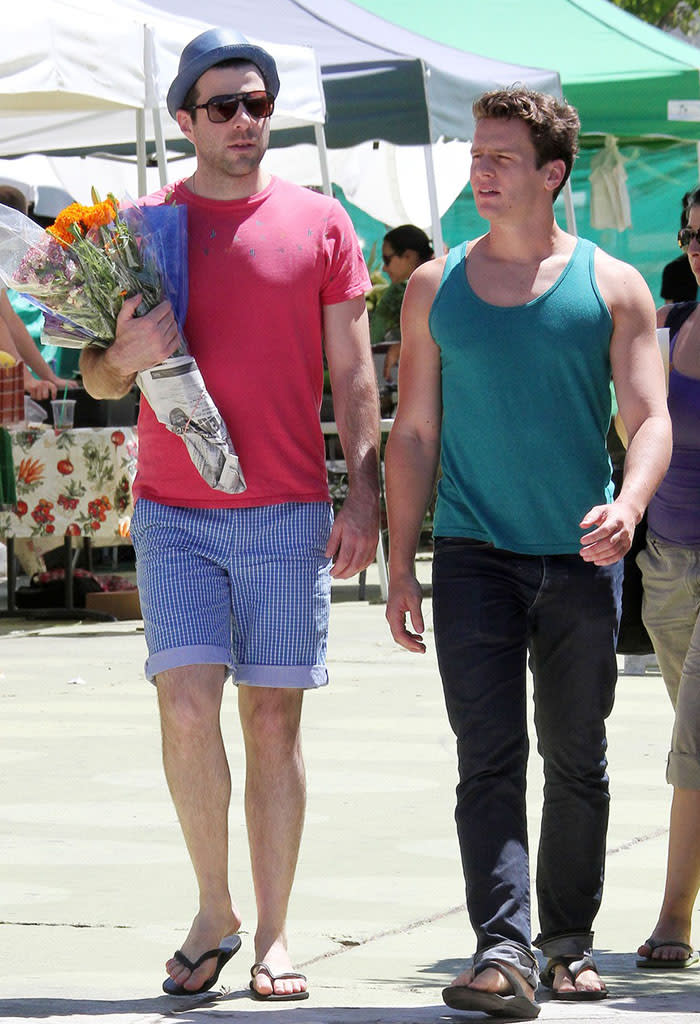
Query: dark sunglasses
point(258, 104)
point(686, 236)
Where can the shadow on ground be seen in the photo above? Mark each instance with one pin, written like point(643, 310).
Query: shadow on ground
point(199, 1009)
point(631, 989)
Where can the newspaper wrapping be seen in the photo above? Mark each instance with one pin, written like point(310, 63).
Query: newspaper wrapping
point(180, 401)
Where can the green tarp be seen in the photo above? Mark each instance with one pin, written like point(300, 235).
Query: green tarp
point(617, 70)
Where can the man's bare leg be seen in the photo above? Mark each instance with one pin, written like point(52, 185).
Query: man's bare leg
point(275, 800)
point(198, 777)
point(682, 877)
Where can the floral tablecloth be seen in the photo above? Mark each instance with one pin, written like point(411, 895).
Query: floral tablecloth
point(75, 482)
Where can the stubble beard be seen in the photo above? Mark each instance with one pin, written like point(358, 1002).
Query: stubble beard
point(238, 164)
point(231, 164)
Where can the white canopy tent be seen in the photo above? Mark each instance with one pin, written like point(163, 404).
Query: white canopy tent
point(51, 182)
point(382, 179)
point(62, 90)
point(382, 83)
point(77, 76)
point(387, 182)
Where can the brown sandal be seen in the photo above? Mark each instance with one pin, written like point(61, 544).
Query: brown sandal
point(515, 1004)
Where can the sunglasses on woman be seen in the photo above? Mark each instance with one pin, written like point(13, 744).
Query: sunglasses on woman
point(258, 104)
point(686, 236)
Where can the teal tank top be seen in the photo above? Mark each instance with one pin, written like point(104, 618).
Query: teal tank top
point(526, 409)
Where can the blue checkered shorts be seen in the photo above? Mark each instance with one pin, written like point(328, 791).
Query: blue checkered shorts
point(248, 588)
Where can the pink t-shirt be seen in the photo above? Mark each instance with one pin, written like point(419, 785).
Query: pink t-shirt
point(260, 271)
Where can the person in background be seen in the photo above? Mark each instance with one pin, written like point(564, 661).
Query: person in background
point(670, 565)
point(678, 282)
point(14, 336)
point(240, 584)
point(509, 346)
point(403, 249)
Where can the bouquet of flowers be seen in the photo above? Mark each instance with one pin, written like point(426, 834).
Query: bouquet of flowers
point(80, 270)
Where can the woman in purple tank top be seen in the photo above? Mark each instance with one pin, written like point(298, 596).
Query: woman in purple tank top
point(670, 566)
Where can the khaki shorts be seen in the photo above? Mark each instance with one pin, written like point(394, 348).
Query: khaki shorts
point(671, 614)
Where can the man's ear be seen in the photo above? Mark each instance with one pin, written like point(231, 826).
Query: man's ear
point(184, 121)
point(556, 171)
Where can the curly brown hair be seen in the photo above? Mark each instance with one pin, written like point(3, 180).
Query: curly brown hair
point(554, 124)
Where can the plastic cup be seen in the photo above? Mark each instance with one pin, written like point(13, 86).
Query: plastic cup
point(63, 411)
point(33, 412)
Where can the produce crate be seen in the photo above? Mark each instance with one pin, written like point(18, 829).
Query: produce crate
point(122, 604)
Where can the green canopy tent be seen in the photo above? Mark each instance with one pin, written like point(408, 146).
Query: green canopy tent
point(619, 72)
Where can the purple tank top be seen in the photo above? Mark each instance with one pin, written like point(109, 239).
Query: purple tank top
point(674, 511)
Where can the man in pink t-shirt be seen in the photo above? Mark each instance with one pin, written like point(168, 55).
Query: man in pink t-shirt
point(240, 584)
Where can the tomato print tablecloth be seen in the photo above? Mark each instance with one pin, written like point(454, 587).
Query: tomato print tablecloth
point(75, 482)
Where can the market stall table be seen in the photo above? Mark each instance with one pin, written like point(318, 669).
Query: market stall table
point(70, 484)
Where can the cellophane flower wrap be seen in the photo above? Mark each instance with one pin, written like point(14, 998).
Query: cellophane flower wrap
point(80, 270)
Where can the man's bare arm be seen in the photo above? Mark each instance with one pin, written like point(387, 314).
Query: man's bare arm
point(640, 387)
point(413, 453)
point(353, 541)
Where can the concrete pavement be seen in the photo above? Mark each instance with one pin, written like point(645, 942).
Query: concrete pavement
point(96, 890)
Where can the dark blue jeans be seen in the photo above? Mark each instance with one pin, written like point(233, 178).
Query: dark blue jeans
point(492, 608)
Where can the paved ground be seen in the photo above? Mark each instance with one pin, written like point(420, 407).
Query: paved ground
point(95, 889)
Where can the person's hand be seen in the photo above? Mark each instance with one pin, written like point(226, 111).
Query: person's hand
point(39, 390)
point(144, 341)
point(405, 598)
point(611, 533)
point(353, 539)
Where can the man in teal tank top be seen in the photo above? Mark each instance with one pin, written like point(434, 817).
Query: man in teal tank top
point(509, 346)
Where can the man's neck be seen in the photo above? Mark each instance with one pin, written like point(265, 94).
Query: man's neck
point(227, 188)
point(509, 268)
point(529, 242)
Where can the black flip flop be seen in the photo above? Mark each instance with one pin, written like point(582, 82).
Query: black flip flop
point(275, 997)
point(668, 965)
point(223, 953)
point(574, 966)
point(515, 1005)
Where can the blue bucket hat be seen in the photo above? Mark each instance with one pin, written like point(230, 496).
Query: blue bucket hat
point(210, 48)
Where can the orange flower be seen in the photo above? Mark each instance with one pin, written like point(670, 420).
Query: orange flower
point(61, 227)
point(98, 215)
point(82, 217)
point(61, 234)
